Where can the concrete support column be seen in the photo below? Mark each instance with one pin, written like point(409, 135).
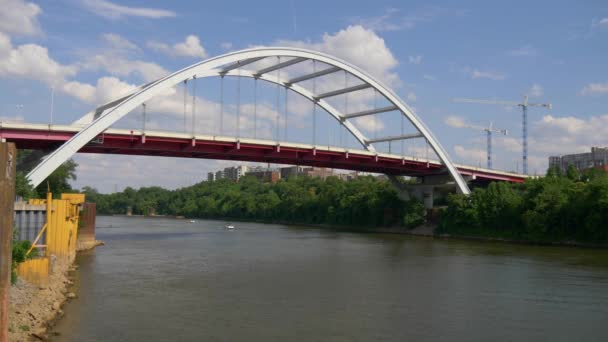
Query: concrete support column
point(8, 158)
point(402, 191)
point(425, 195)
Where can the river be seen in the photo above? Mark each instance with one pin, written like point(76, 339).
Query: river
point(172, 280)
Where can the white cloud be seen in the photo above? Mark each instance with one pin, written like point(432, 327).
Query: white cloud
point(536, 90)
point(479, 74)
point(526, 50)
point(393, 20)
point(106, 89)
point(429, 77)
point(31, 61)
point(370, 123)
point(455, 121)
point(111, 10)
point(19, 17)
point(191, 47)
point(472, 156)
point(569, 134)
point(357, 45)
point(141, 171)
point(118, 42)
point(411, 97)
point(600, 22)
point(16, 118)
point(594, 89)
point(226, 46)
point(415, 59)
point(119, 65)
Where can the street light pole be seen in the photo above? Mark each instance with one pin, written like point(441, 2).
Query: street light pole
point(52, 102)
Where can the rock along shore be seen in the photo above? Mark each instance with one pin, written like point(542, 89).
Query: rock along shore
point(33, 309)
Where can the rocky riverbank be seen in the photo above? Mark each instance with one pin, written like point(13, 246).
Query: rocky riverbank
point(33, 309)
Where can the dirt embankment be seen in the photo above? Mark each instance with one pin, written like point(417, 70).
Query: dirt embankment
point(33, 309)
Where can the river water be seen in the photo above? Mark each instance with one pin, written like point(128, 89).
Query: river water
point(172, 280)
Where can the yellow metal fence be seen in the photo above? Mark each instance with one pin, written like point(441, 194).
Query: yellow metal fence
point(61, 229)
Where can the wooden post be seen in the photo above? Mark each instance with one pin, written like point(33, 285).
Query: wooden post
point(8, 157)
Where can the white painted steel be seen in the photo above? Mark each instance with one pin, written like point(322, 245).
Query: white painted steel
point(235, 60)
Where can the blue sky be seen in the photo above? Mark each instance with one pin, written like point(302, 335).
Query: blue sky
point(429, 52)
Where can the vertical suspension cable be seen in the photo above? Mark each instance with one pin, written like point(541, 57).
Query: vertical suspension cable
point(277, 126)
point(221, 132)
point(185, 106)
point(238, 105)
point(314, 105)
point(193, 105)
point(143, 126)
point(345, 102)
point(345, 109)
point(374, 117)
point(286, 113)
point(255, 108)
point(402, 141)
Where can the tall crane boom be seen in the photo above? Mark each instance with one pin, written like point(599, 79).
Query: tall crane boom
point(489, 130)
point(524, 105)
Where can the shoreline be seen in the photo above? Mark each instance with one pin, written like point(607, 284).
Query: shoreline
point(425, 230)
point(34, 310)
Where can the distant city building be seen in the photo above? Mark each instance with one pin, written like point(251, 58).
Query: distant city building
point(210, 177)
point(266, 175)
point(347, 176)
point(235, 173)
point(294, 171)
point(597, 158)
point(219, 175)
point(320, 172)
point(307, 171)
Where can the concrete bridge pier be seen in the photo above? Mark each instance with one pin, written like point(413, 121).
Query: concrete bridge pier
point(424, 194)
point(421, 192)
point(424, 190)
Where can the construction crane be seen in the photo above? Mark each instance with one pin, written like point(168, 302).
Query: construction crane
point(524, 105)
point(489, 130)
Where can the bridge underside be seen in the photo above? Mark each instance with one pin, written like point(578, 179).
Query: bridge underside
point(165, 144)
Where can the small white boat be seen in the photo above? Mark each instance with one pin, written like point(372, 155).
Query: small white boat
point(229, 226)
point(192, 221)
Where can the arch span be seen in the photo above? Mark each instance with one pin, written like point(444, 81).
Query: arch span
point(232, 64)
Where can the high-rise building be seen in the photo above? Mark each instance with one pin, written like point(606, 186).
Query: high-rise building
point(294, 171)
point(210, 177)
point(235, 173)
point(597, 158)
point(265, 174)
point(219, 175)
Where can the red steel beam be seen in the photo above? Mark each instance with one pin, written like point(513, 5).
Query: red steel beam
point(130, 144)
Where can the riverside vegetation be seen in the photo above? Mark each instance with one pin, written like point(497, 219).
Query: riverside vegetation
point(365, 201)
point(554, 209)
point(569, 207)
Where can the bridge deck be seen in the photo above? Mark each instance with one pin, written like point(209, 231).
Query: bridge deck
point(172, 144)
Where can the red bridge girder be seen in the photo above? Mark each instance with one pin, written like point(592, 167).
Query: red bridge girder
point(150, 145)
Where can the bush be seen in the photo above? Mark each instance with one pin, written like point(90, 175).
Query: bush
point(558, 207)
point(20, 249)
point(414, 214)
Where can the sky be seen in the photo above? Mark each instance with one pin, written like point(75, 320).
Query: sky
point(428, 52)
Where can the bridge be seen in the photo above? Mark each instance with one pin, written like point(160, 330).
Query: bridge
point(312, 75)
point(172, 144)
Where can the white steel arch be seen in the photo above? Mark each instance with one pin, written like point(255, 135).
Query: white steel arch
point(228, 64)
